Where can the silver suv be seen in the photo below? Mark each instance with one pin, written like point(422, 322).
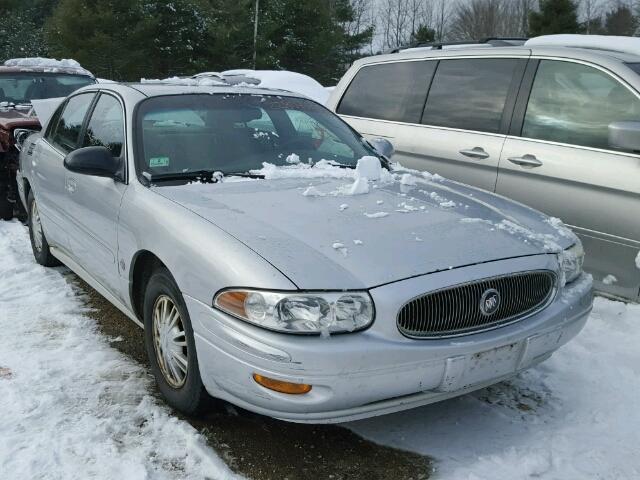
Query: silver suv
point(555, 127)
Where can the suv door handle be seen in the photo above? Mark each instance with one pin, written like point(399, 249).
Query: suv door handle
point(475, 152)
point(526, 161)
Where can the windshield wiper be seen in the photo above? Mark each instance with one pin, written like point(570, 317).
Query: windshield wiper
point(203, 176)
point(336, 164)
point(243, 174)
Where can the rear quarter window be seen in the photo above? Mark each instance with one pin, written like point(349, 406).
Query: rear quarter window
point(391, 91)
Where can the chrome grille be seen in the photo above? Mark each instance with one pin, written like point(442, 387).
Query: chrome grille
point(456, 310)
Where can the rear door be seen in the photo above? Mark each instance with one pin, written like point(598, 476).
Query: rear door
point(94, 202)
point(447, 116)
point(559, 161)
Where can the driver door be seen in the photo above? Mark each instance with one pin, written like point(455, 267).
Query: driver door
point(94, 202)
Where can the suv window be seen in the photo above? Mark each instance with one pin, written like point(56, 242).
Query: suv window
point(106, 127)
point(391, 91)
point(67, 131)
point(470, 93)
point(574, 103)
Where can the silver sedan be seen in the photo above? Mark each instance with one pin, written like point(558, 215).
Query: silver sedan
point(278, 261)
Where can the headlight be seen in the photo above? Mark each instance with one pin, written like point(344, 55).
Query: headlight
point(299, 312)
point(571, 261)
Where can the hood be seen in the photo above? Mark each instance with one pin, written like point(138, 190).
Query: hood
point(11, 118)
point(322, 236)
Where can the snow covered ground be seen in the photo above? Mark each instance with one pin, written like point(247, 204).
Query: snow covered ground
point(71, 406)
point(574, 417)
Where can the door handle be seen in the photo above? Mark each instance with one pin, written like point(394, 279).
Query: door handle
point(475, 152)
point(529, 161)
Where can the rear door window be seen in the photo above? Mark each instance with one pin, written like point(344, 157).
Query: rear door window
point(66, 133)
point(470, 94)
point(391, 91)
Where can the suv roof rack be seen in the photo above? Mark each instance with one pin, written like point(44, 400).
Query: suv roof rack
point(488, 42)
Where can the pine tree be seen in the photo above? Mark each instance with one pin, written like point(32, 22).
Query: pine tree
point(555, 16)
point(21, 28)
point(620, 21)
point(100, 34)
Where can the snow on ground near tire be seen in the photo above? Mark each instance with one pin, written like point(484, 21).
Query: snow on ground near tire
point(72, 406)
point(575, 416)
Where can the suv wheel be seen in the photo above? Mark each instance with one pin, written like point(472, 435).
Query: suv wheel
point(171, 346)
point(39, 243)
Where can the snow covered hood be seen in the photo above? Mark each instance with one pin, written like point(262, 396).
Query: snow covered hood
point(329, 233)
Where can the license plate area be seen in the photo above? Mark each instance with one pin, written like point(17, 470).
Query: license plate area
point(494, 363)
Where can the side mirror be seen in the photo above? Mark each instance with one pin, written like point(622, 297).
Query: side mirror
point(383, 146)
point(625, 136)
point(20, 135)
point(96, 161)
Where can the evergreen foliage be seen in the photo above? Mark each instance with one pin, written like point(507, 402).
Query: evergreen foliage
point(555, 16)
point(130, 39)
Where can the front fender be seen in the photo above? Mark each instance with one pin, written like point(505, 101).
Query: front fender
point(201, 257)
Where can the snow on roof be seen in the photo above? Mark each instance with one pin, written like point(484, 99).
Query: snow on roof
point(188, 82)
point(272, 79)
point(613, 43)
point(39, 62)
point(285, 80)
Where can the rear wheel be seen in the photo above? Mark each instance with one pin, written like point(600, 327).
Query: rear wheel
point(39, 244)
point(171, 346)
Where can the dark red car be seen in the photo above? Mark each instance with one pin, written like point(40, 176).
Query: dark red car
point(21, 81)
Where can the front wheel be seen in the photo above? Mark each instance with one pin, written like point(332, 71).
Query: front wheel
point(171, 346)
point(39, 244)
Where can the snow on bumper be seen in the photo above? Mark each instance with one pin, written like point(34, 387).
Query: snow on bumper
point(377, 371)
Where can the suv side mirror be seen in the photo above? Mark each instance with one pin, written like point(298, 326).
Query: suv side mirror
point(383, 146)
point(625, 136)
point(96, 161)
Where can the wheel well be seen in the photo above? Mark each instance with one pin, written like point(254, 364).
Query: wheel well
point(27, 189)
point(143, 265)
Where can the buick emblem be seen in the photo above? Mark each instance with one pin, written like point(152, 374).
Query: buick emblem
point(489, 302)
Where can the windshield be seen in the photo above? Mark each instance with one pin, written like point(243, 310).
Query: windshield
point(236, 133)
point(21, 88)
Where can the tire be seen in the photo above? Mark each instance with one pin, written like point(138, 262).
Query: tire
point(180, 385)
point(39, 244)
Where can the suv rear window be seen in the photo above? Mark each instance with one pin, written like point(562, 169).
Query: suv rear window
point(470, 93)
point(391, 91)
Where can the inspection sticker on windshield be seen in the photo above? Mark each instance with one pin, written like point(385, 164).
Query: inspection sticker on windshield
point(159, 162)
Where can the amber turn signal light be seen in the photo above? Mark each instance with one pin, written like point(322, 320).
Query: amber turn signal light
point(282, 387)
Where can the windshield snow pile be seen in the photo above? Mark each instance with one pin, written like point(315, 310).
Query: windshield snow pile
point(72, 406)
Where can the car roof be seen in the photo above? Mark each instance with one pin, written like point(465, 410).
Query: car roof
point(578, 53)
point(161, 89)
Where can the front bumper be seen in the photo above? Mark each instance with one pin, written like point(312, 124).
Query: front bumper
point(379, 371)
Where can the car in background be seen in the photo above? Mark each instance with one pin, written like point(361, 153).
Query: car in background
point(278, 261)
point(23, 80)
point(554, 123)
